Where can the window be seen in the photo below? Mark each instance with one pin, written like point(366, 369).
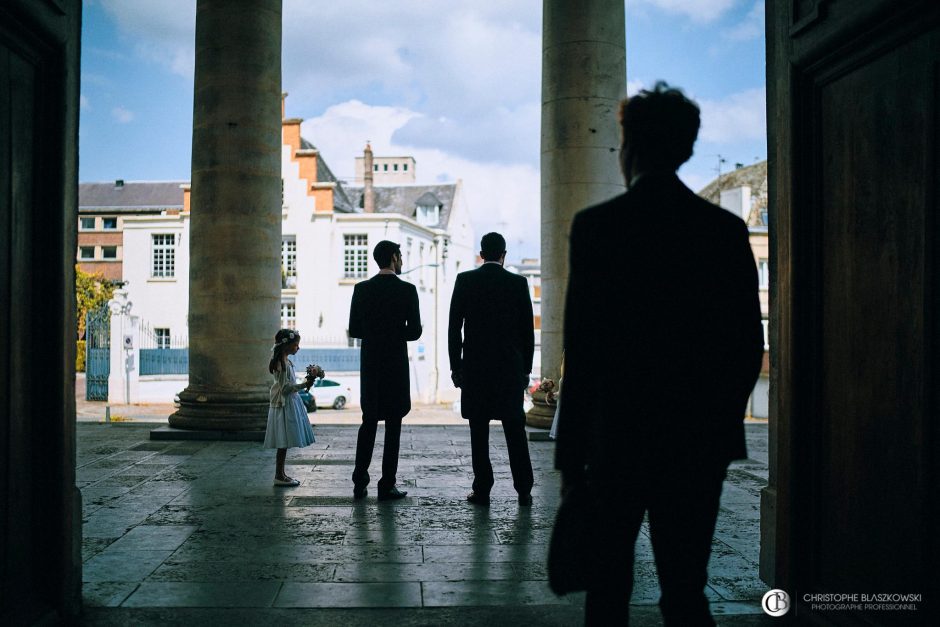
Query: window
point(86, 224)
point(355, 256)
point(163, 337)
point(109, 224)
point(385, 167)
point(282, 192)
point(421, 263)
point(163, 256)
point(405, 166)
point(289, 262)
point(288, 315)
point(109, 252)
point(86, 252)
point(353, 342)
point(395, 167)
point(763, 273)
point(428, 215)
point(375, 168)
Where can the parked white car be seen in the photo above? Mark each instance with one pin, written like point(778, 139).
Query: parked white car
point(329, 393)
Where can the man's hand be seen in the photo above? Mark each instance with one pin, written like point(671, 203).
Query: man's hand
point(457, 377)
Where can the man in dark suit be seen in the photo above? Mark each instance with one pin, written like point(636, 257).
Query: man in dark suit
point(384, 313)
point(656, 387)
point(490, 362)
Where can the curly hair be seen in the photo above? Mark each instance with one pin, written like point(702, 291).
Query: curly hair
point(660, 126)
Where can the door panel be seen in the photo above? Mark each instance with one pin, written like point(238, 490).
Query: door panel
point(873, 186)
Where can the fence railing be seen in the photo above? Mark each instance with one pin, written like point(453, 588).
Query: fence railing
point(161, 353)
point(330, 359)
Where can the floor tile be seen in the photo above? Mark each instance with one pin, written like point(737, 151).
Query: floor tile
point(470, 593)
point(153, 538)
point(195, 594)
point(349, 595)
point(122, 565)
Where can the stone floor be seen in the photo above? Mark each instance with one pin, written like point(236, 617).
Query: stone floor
point(194, 533)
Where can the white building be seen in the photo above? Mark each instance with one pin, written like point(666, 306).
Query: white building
point(328, 237)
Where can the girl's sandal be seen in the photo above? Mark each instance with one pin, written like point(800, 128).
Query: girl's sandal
point(287, 482)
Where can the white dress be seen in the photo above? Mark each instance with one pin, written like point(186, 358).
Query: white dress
point(553, 433)
point(288, 425)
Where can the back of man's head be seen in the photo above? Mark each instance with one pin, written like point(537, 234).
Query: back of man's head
point(492, 247)
point(659, 127)
point(384, 251)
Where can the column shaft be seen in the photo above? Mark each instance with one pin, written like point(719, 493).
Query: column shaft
point(234, 278)
point(583, 80)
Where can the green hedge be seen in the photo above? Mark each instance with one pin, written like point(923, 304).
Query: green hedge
point(80, 356)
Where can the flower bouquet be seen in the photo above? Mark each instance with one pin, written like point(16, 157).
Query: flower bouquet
point(315, 372)
point(547, 388)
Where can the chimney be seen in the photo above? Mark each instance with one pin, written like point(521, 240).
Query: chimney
point(368, 197)
point(283, 98)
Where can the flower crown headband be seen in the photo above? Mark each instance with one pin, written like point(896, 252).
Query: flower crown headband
point(290, 337)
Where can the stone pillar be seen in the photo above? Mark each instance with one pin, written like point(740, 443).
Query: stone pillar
point(234, 277)
point(584, 77)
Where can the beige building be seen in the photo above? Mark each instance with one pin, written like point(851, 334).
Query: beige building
point(387, 170)
point(743, 192)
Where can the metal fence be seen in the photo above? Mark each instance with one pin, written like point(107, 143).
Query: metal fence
point(330, 359)
point(161, 353)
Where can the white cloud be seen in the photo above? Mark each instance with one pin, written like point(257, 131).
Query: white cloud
point(472, 70)
point(122, 115)
point(500, 197)
point(701, 11)
point(161, 32)
point(738, 117)
point(751, 27)
point(476, 64)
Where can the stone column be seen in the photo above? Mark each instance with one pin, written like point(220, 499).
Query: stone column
point(234, 276)
point(584, 77)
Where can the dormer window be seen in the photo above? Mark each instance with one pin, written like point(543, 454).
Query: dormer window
point(428, 210)
point(429, 216)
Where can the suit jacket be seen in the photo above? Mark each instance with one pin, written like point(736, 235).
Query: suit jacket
point(492, 308)
point(663, 337)
point(384, 314)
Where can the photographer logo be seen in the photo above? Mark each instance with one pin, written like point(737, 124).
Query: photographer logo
point(776, 603)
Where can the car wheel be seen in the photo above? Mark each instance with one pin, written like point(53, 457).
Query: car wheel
point(340, 402)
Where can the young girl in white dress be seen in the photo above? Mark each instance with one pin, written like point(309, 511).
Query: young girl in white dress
point(288, 425)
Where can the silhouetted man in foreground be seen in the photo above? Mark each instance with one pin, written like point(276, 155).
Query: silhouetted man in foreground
point(384, 313)
point(491, 361)
point(656, 388)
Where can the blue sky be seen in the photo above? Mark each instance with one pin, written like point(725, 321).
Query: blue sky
point(455, 84)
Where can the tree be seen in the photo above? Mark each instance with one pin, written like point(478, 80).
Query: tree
point(91, 292)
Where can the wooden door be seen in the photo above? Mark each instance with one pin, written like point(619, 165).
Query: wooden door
point(853, 128)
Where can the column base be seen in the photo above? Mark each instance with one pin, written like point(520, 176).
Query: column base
point(221, 412)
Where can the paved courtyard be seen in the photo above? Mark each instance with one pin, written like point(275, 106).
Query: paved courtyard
point(194, 533)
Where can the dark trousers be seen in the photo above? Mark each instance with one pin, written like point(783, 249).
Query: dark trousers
point(682, 502)
point(364, 446)
point(519, 462)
